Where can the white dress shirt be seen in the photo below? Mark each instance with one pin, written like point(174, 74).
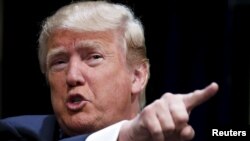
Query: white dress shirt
point(109, 133)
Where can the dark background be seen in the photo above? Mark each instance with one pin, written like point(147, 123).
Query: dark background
point(189, 44)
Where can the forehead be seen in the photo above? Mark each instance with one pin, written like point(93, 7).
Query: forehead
point(69, 38)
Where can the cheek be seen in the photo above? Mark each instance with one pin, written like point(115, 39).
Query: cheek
point(57, 82)
point(57, 89)
point(117, 100)
point(112, 88)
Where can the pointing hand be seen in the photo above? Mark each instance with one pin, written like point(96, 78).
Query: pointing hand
point(167, 118)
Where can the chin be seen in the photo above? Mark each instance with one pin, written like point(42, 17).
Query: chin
point(80, 124)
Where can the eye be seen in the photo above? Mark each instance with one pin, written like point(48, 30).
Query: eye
point(94, 59)
point(57, 64)
point(96, 56)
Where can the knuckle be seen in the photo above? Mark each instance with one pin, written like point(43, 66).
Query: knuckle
point(147, 110)
point(167, 96)
point(197, 91)
point(179, 96)
point(182, 119)
point(156, 132)
point(157, 103)
point(170, 128)
point(150, 109)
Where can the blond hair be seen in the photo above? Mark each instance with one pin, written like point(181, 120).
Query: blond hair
point(98, 16)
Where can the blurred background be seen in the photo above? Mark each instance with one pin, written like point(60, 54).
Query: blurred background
point(189, 44)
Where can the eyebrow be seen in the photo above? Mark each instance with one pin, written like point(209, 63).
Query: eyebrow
point(55, 52)
point(89, 44)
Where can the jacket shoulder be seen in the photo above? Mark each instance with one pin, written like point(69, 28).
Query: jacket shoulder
point(30, 127)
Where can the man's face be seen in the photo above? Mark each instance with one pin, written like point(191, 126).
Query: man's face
point(89, 79)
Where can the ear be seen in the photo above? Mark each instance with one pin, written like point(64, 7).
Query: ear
point(140, 78)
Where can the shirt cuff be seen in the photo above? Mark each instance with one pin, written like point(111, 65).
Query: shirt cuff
point(109, 133)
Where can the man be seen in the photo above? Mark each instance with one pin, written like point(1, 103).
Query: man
point(94, 57)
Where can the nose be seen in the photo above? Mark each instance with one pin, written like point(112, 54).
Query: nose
point(74, 73)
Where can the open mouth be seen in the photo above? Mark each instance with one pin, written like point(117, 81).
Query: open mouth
point(75, 99)
point(75, 102)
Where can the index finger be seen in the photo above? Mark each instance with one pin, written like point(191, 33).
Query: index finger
point(199, 96)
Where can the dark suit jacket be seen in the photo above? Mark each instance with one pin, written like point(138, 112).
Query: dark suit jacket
point(33, 128)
